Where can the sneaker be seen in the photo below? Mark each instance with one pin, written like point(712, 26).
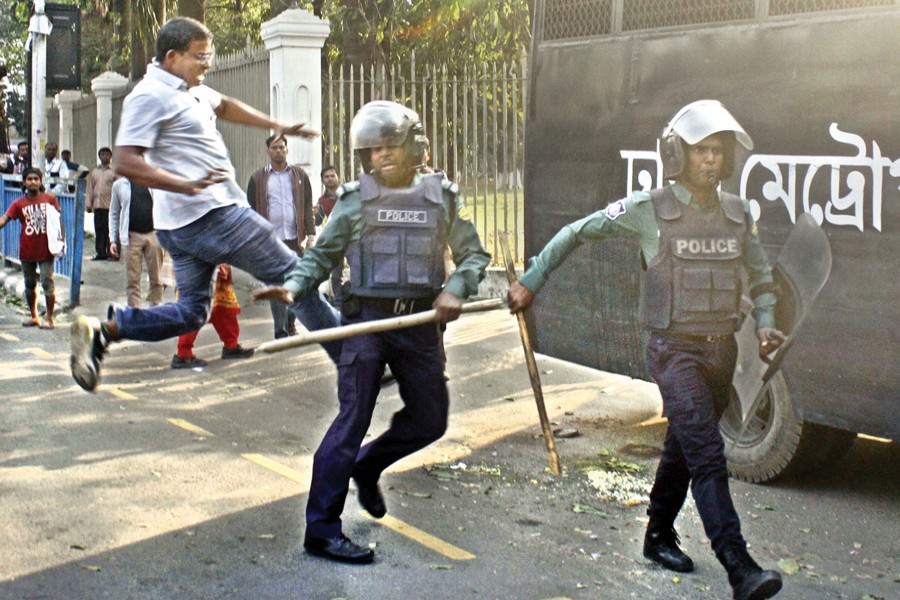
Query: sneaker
point(88, 348)
point(237, 352)
point(188, 363)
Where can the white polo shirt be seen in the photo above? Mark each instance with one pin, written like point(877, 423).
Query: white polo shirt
point(177, 126)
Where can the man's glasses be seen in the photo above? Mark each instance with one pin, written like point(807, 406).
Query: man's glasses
point(203, 58)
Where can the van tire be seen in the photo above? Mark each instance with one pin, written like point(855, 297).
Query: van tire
point(778, 444)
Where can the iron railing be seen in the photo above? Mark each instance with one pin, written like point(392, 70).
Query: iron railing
point(474, 119)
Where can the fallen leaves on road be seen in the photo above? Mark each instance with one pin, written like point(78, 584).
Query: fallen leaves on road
point(414, 494)
point(789, 566)
point(586, 509)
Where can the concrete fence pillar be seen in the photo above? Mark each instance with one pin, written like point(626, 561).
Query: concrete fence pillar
point(294, 40)
point(103, 86)
point(65, 100)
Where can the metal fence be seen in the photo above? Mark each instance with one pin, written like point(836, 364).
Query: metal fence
point(72, 206)
point(571, 19)
point(474, 119)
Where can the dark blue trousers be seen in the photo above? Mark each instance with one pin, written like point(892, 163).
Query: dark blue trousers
point(415, 360)
point(694, 378)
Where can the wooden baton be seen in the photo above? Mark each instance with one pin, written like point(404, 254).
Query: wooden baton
point(345, 331)
point(532, 364)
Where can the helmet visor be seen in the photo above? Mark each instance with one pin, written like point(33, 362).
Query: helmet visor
point(701, 119)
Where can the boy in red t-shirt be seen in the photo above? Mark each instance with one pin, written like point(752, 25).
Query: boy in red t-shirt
point(34, 252)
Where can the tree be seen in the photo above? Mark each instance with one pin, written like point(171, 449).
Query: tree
point(190, 8)
point(452, 32)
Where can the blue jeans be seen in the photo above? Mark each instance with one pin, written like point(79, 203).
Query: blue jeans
point(233, 235)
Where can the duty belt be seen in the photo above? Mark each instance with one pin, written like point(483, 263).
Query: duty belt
point(691, 337)
point(398, 306)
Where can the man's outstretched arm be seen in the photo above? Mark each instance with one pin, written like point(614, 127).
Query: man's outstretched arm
point(239, 112)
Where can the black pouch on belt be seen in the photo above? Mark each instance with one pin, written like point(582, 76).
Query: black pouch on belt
point(350, 306)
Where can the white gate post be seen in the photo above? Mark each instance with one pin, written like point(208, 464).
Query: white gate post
point(103, 87)
point(294, 40)
point(65, 100)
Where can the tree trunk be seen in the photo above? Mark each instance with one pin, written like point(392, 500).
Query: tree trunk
point(123, 39)
point(190, 8)
point(279, 6)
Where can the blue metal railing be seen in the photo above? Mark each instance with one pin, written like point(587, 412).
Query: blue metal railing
point(72, 206)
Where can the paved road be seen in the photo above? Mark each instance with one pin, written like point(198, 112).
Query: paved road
point(182, 485)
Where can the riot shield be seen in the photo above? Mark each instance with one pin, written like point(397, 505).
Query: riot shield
point(802, 268)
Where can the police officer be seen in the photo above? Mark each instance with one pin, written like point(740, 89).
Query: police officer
point(392, 225)
point(695, 241)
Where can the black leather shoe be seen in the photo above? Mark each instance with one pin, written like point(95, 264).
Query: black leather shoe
point(237, 352)
point(370, 498)
point(339, 548)
point(661, 546)
point(187, 363)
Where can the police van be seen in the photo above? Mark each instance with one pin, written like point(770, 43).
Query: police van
point(816, 83)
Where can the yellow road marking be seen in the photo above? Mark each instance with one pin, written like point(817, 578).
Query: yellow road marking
point(276, 467)
point(9, 337)
point(416, 535)
point(119, 393)
point(423, 538)
point(189, 427)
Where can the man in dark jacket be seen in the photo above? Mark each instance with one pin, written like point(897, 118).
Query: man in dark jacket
point(282, 194)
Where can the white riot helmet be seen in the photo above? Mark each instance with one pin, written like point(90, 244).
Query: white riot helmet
point(693, 123)
point(383, 123)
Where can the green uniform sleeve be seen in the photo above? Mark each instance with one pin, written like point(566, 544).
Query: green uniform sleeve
point(759, 272)
point(332, 243)
point(630, 217)
point(468, 253)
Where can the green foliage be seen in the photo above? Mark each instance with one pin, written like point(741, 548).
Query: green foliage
point(13, 31)
point(369, 32)
point(235, 23)
point(454, 32)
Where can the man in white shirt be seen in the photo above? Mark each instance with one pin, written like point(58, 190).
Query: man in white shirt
point(55, 168)
point(167, 140)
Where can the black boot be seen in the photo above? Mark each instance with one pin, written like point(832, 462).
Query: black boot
point(661, 546)
point(747, 579)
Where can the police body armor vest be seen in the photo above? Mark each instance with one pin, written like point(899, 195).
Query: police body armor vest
point(693, 285)
point(400, 251)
